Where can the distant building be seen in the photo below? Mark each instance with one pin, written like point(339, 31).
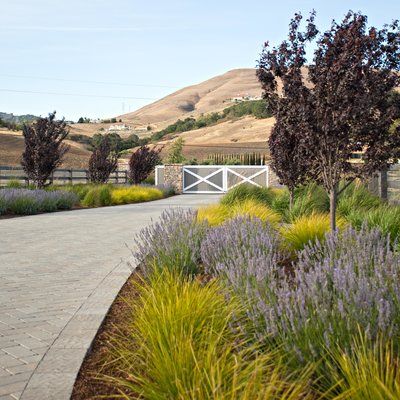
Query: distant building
point(245, 97)
point(121, 127)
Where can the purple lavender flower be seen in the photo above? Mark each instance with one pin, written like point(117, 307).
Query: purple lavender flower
point(173, 242)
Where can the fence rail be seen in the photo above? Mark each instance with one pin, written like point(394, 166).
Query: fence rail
point(61, 176)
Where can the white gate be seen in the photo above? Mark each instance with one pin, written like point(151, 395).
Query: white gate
point(221, 178)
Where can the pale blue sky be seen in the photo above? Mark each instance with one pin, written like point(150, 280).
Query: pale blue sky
point(167, 43)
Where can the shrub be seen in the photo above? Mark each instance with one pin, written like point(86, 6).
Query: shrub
point(348, 283)
point(98, 196)
point(244, 192)
point(23, 205)
point(80, 189)
point(307, 229)
point(3, 205)
point(181, 346)
point(243, 243)
point(218, 213)
point(385, 217)
point(25, 201)
point(171, 243)
point(135, 194)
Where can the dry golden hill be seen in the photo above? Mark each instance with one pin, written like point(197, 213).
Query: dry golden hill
point(212, 95)
point(12, 146)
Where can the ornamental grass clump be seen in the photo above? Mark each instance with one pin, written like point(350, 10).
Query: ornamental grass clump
point(182, 346)
point(371, 370)
point(245, 191)
point(217, 214)
point(384, 217)
point(135, 194)
point(356, 197)
point(173, 243)
point(98, 196)
point(307, 229)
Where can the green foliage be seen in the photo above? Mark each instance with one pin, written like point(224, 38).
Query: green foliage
point(384, 217)
point(118, 144)
point(23, 205)
point(175, 154)
point(14, 183)
point(181, 346)
point(247, 191)
point(98, 196)
point(257, 108)
point(356, 197)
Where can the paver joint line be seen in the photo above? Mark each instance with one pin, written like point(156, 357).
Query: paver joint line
point(59, 274)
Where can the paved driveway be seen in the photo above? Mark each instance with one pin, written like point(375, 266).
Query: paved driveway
point(59, 274)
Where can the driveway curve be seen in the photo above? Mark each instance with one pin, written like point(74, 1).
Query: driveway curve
point(59, 274)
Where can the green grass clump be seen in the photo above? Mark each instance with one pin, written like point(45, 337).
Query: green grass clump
point(135, 194)
point(14, 184)
point(356, 197)
point(245, 191)
point(217, 214)
point(307, 229)
point(98, 196)
point(182, 346)
point(384, 217)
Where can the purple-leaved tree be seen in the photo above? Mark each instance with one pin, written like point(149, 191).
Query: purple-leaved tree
point(339, 103)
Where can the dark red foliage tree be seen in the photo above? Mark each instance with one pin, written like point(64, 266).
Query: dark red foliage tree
point(102, 162)
point(44, 148)
point(354, 70)
point(290, 106)
point(142, 163)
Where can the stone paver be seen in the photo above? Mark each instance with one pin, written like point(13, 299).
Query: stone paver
point(59, 274)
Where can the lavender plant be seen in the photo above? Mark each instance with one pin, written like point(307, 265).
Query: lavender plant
point(349, 282)
point(25, 201)
point(171, 243)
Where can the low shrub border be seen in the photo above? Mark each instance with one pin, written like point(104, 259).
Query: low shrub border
point(23, 201)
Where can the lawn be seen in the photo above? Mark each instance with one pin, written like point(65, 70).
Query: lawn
point(248, 299)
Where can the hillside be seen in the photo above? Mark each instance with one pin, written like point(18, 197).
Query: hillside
point(211, 95)
point(12, 146)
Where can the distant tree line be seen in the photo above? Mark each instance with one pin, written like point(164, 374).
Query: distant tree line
point(118, 144)
point(256, 108)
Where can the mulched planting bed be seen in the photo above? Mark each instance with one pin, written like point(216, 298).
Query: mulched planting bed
point(95, 366)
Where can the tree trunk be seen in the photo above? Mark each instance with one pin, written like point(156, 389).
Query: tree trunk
point(332, 207)
point(291, 199)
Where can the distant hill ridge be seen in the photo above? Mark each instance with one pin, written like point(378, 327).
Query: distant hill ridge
point(17, 119)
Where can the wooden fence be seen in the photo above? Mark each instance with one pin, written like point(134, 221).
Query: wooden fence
point(59, 177)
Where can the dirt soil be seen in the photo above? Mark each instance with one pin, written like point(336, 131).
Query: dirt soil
point(95, 366)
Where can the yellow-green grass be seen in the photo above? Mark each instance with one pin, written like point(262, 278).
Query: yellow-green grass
point(216, 214)
point(370, 372)
point(135, 194)
point(308, 229)
point(182, 346)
